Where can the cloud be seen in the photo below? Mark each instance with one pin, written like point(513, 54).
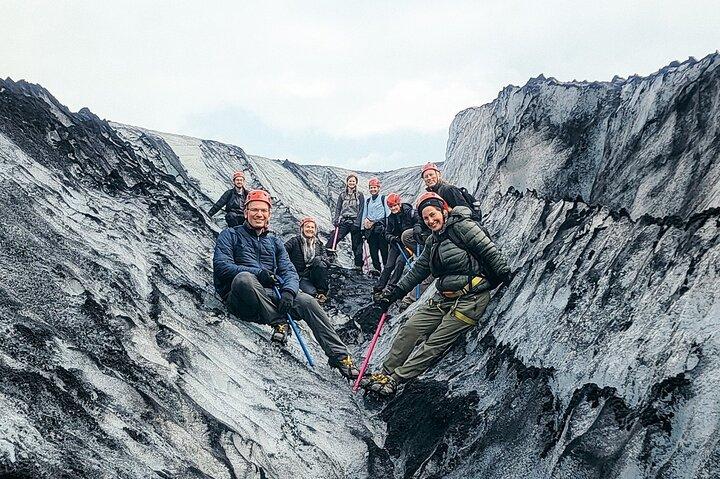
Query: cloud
point(349, 74)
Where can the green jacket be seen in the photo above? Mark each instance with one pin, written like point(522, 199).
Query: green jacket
point(452, 265)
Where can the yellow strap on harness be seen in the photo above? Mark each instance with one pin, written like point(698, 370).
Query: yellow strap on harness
point(468, 287)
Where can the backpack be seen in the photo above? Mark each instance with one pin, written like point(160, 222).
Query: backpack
point(474, 205)
point(489, 275)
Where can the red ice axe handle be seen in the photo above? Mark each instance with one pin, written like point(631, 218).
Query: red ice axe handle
point(370, 350)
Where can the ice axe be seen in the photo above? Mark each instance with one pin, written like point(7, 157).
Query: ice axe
point(370, 350)
point(296, 330)
point(334, 248)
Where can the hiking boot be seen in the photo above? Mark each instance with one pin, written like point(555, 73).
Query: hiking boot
point(280, 333)
point(381, 384)
point(374, 272)
point(346, 367)
point(321, 297)
point(377, 289)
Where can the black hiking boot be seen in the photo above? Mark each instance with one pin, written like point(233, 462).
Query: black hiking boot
point(381, 384)
point(280, 334)
point(346, 367)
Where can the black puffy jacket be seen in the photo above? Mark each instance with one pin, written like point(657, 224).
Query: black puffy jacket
point(454, 265)
point(232, 201)
point(399, 222)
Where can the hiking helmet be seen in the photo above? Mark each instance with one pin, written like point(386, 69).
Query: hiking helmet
point(431, 199)
point(374, 182)
point(239, 174)
point(307, 219)
point(428, 167)
point(258, 195)
point(393, 199)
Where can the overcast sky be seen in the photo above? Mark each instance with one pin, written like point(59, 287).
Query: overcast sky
point(366, 85)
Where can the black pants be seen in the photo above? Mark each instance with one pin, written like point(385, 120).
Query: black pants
point(348, 226)
point(377, 244)
point(249, 301)
point(234, 218)
point(315, 277)
point(394, 267)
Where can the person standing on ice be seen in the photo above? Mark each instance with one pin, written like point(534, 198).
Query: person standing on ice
point(452, 195)
point(347, 220)
point(250, 262)
point(307, 254)
point(374, 221)
point(399, 220)
point(233, 200)
point(466, 265)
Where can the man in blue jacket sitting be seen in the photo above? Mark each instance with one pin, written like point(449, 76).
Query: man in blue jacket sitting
point(249, 262)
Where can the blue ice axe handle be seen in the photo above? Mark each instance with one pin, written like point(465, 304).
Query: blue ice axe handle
point(296, 330)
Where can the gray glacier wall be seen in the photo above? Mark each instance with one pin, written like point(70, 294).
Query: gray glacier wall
point(600, 360)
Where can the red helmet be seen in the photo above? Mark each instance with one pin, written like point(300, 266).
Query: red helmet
point(239, 174)
point(431, 199)
point(307, 219)
point(374, 182)
point(393, 199)
point(258, 195)
point(428, 167)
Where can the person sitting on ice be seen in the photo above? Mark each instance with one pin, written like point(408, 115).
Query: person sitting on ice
point(307, 254)
point(233, 200)
point(250, 264)
point(466, 265)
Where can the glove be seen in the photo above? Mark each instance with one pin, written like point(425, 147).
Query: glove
point(417, 235)
point(391, 238)
point(266, 278)
point(507, 278)
point(336, 223)
point(387, 298)
point(287, 298)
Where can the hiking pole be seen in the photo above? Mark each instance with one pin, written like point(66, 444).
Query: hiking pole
point(417, 288)
point(370, 350)
point(296, 330)
point(407, 261)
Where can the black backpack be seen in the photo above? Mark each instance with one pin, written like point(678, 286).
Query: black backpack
point(474, 205)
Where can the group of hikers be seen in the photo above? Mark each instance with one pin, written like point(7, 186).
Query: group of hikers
point(264, 281)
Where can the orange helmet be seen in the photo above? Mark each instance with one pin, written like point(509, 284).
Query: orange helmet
point(307, 219)
point(258, 195)
point(393, 199)
point(374, 182)
point(428, 167)
point(431, 199)
point(239, 174)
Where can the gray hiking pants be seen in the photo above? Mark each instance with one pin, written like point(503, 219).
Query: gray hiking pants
point(250, 301)
point(442, 321)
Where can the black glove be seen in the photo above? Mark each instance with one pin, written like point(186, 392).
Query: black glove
point(287, 298)
point(507, 278)
point(336, 223)
point(387, 298)
point(391, 238)
point(266, 278)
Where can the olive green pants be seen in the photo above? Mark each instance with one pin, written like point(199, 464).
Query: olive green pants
point(442, 321)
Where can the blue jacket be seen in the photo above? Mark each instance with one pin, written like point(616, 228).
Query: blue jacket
point(375, 209)
point(241, 249)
